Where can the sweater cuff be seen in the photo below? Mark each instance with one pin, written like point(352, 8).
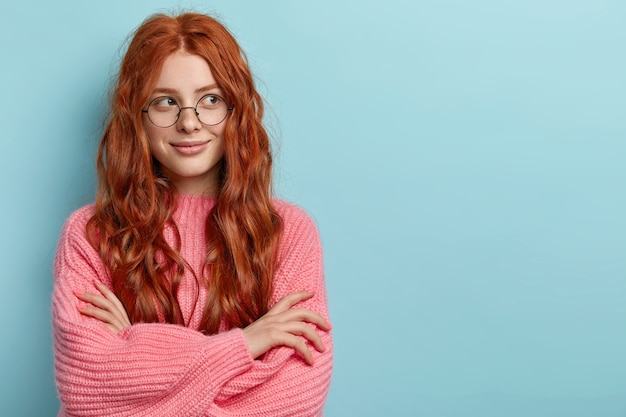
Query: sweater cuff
point(226, 356)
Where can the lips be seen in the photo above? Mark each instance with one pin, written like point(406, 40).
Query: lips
point(190, 147)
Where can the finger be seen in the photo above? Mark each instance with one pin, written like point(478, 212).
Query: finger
point(109, 326)
point(109, 295)
point(111, 322)
point(307, 332)
point(299, 346)
point(103, 305)
point(95, 299)
point(288, 301)
point(306, 315)
point(114, 329)
point(97, 313)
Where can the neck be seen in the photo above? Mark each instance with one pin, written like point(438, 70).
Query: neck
point(191, 188)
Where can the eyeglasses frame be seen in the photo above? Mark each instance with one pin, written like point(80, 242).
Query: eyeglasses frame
point(195, 110)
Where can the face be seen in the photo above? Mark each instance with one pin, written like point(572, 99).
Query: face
point(189, 151)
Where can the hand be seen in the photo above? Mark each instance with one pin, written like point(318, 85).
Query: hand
point(105, 307)
point(283, 326)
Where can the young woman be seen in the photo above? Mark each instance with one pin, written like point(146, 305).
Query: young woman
point(185, 289)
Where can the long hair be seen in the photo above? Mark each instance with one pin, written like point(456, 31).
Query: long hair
point(134, 203)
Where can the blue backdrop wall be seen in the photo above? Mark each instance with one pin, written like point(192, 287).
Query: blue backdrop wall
point(465, 161)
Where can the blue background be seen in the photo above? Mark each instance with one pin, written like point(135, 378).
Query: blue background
point(465, 161)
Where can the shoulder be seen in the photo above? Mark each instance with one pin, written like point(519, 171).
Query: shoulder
point(300, 233)
point(286, 207)
point(82, 214)
point(77, 221)
point(295, 219)
point(74, 232)
point(75, 254)
point(300, 255)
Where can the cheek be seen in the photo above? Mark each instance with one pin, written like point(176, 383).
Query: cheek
point(157, 152)
point(149, 132)
point(220, 149)
point(154, 138)
point(221, 141)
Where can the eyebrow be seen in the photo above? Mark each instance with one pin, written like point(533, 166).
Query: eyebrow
point(165, 90)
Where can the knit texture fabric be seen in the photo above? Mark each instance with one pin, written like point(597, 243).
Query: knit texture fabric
point(160, 369)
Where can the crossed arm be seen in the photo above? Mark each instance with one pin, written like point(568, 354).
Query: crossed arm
point(281, 326)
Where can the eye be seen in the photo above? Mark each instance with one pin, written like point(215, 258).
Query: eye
point(210, 100)
point(163, 103)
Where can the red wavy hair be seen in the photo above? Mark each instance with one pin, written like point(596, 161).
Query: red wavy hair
point(134, 201)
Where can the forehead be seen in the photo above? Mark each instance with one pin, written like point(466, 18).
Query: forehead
point(184, 72)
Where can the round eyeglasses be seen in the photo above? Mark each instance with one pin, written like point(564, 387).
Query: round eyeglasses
point(164, 111)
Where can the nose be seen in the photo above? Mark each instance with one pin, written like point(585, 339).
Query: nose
point(188, 121)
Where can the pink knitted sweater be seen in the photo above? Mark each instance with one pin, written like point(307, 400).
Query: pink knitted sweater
point(160, 369)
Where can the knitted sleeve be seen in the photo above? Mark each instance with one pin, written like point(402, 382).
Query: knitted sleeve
point(282, 384)
point(146, 370)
